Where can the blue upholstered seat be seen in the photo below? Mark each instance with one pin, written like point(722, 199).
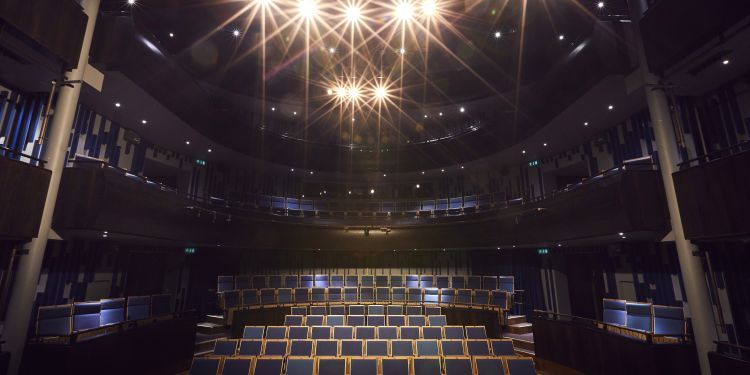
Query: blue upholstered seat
point(381, 281)
point(427, 348)
point(402, 348)
point(275, 348)
point(414, 310)
point(364, 333)
point(502, 347)
point(454, 332)
point(639, 316)
point(318, 310)
point(139, 307)
point(301, 310)
point(427, 366)
point(388, 333)
point(376, 320)
point(112, 311)
point(395, 310)
point(352, 348)
point(382, 294)
point(356, 320)
point(396, 320)
point(376, 348)
point(367, 281)
point(300, 366)
point(614, 312)
point(315, 320)
point(442, 281)
point(363, 366)
point(321, 333)
point(251, 348)
point(337, 309)
point(253, 332)
point(331, 366)
point(669, 320)
point(458, 366)
point(225, 347)
point(335, 320)
point(476, 333)
point(321, 281)
point(432, 310)
point(375, 310)
point(477, 348)
point(205, 366)
point(356, 310)
point(268, 296)
point(306, 281)
point(432, 333)
point(518, 366)
point(250, 297)
point(293, 320)
point(302, 348)
point(409, 333)
point(242, 282)
point(416, 320)
point(268, 366)
point(395, 366)
point(473, 282)
point(452, 348)
point(284, 296)
point(276, 332)
point(237, 366)
point(326, 348)
point(489, 366)
point(437, 320)
point(458, 282)
point(343, 332)
point(299, 333)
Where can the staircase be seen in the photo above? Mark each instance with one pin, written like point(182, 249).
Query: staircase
point(521, 332)
point(207, 331)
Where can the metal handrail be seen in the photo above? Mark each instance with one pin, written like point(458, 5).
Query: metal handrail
point(21, 154)
point(709, 156)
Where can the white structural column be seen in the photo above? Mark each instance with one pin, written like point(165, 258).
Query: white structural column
point(691, 266)
point(55, 148)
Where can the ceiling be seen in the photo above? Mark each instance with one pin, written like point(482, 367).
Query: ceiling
point(475, 78)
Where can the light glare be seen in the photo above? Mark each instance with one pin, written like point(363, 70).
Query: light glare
point(353, 14)
point(404, 11)
point(308, 8)
point(429, 7)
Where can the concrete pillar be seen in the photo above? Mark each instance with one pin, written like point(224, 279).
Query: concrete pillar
point(691, 266)
point(55, 148)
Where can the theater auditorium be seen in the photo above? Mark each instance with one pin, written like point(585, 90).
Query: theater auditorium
point(374, 187)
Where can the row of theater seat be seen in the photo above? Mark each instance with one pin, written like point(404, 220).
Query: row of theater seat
point(645, 317)
point(364, 366)
point(367, 348)
point(362, 320)
point(367, 310)
point(504, 283)
point(64, 320)
point(364, 332)
point(250, 298)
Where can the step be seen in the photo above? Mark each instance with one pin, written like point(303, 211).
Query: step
point(516, 319)
point(209, 328)
point(216, 319)
point(520, 328)
point(524, 346)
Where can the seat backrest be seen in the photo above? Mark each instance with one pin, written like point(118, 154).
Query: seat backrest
point(363, 366)
point(489, 366)
point(639, 316)
point(409, 333)
point(337, 309)
point(321, 333)
point(343, 332)
point(307, 281)
point(481, 297)
point(375, 310)
point(253, 332)
point(299, 333)
point(458, 282)
point(364, 333)
point(318, 294)
point(367, 281)
point(205, 366)
point(352, 348)
point(398, 294)
point(415, 295)
point(268, 366)
point(416, 320)
point(614, 312)
point(395, 309)
point(321, 281)
point(506, 283)
point(276, 332)
point(432, 310)
point(367, 294)
point(427, 366)
point(396, 281)
point(293, 320)
point(302, 348)
point(431, 295)
point(381, 281)
point(301, 310)
point(267, 296)
point(387, 333)
point(454, 332)
point(414, 310)
point(356, 320)
point(250, 297)
point(376, 348)
point(251, 348)
point(448, 296)
point(432, 333)
point(337, 281)
point(442, 281)
point(499, 299)
point(86, 315)
point(315, 320)
point(259, 282)
point(301, 295)
point(473, 282)
point(291, 281)
point(396, 320)
point(225, 347)
point(327, 348)
point(437, 320)
point(463, 296)
point(331, 366)
point(383, 294)
point(318, 310)
point(476, 333)
point(112, 311)
point(376, 320)
point(412, 281)
point(335, 294)
point(426, 281)
point(427, 348)
point(477, 348)
point(521, 366)
point(669, 320)
point(356, 310)
point(237, 366)
point(335, 320)
point(452, 348)
point(242, 282)
point(224, 283)
point(402, 348)
point(458, 366)
point(489, 282)
point(502, 347)
point(351, 281)
point(395, 366)
point(275, 281)
point(300, 366)
point(139, 307)
point(275, 348)
point(351, 294)
point(284, 295)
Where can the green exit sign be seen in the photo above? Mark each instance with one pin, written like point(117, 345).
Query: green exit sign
point(542, 251)
point(534, 163)
point(190, 250)
point(200, 162)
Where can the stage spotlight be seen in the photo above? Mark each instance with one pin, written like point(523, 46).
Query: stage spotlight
point(353, 93)
point(429, 8)
point(404, 11)
point(236, 33)
point(600, 5)
point(402, 51)
point(329, 91)
point(380, 93)
point(131, 2)
point(353, 14)
point(340, 92)
point(308, 8)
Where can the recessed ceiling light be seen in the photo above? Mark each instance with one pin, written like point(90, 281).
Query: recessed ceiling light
point(462, 109)
point(187, 143)
point(295, 113)
point(311, 172)
point(498, 34)
point(422, 172)
point(442, 170)
point(425, 116)
point(384, 174)
point(725, 62)
point(611, 107)
point(236, 33)
point(561, 37)
point(545, 144)
point(171, 35)
point(440, 114)
point(118, 105)
point(586, 123)
point(332, 50)
point(462, 167)
point(523, 151)
point(600, 5)
point(273, 109)
point(372, 191)
point(209, 150)
point(417, 186)
point(402, 51)
point(144, 122)
point(329, 91)
point(291, 170)
point(131, 2)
